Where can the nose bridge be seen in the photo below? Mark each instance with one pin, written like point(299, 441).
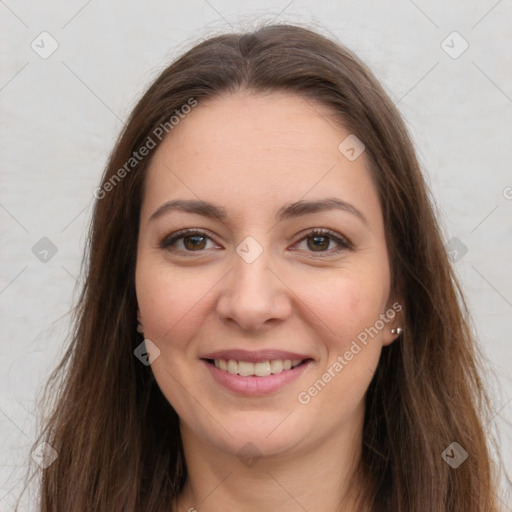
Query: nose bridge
point(252, 295)
point(251, 271)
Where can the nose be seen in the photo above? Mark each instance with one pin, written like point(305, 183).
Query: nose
point(253, 296)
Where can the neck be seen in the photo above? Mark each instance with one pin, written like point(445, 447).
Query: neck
point(324, 478)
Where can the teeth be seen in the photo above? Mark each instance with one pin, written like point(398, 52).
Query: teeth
point(232, 367)
point(276, 366)
point(245, 369)
point(261, 369)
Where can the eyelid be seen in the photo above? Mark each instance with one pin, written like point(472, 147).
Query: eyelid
point(168, 240)
point(342, 241)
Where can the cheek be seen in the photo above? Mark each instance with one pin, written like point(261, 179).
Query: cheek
point(347, 302)
point(173, 307)
point(171, 303)
point(349, 307)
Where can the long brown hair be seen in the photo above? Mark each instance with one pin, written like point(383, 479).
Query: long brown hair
point(117, 437)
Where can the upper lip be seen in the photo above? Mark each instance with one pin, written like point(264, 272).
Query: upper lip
point(256, 356)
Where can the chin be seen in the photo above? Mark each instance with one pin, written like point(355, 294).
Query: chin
point(274, 435)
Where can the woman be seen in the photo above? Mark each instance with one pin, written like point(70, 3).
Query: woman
point(269, 319)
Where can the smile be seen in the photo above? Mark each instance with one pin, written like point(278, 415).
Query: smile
point(256, 378)
point(260, 369)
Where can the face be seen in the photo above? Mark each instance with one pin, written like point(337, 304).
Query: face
point(286, 265)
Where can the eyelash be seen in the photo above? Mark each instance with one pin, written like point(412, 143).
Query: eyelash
point(343, 243)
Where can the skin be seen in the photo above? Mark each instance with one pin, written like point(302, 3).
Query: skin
point(252, 154)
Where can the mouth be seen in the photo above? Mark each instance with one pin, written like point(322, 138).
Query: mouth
point(264, 374)
point(256, 369)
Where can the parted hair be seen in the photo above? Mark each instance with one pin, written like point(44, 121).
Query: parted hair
point(117, 437)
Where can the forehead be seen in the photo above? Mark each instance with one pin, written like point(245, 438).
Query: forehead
point(247, 149)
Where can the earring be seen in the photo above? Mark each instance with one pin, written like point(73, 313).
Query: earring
point(397, 330)
point(140, 328)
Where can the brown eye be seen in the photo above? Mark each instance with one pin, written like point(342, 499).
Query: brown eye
point(324, 242)
point(318, 243)
point(194, 242)
point(187, 241)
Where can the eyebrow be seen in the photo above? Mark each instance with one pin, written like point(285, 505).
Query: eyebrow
point(288, 211)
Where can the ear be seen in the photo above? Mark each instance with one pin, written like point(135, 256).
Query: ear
point(394, 316)
point(139, 316)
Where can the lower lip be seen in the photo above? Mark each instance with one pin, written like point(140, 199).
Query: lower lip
point(252, 385)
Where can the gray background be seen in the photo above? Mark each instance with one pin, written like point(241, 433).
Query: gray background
point(61, 115)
